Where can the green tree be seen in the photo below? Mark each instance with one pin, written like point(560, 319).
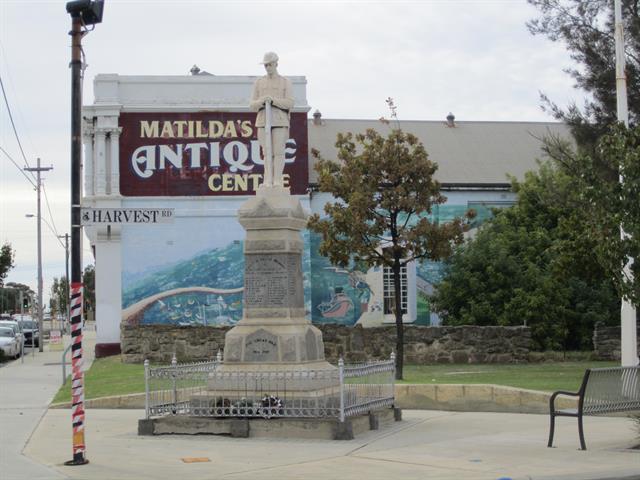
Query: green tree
point(10, 297)
point(532, 264)
point(89, 282)
point(384, 191)
point(586, 28)
point(58, 297)
point(613, 205)
point(7, 256)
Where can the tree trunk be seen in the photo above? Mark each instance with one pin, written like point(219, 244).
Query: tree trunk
point(397, 293)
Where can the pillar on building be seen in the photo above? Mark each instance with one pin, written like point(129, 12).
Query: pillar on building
point(88, 164)
point(114, 139)
point(108, 290)
point(101, 161)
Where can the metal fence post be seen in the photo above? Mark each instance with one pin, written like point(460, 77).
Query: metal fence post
point(393, 376)
point(174, 366)
point(341, 376)
point(64, 364)
point(146, 388)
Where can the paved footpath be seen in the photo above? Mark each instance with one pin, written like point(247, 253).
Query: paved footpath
point(26, 389)
point(35, 443)
point(426, 444)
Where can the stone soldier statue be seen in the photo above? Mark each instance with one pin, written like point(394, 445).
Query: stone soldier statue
point(272, 98)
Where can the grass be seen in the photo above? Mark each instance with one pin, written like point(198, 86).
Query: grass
point(109, 376)
point(548, 376)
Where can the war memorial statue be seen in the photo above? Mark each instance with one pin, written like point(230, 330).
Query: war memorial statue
point(274, 363)
point(274, 333)
point(272, 99)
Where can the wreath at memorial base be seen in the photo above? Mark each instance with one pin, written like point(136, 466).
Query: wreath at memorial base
point(271, 406)
point(243, 408)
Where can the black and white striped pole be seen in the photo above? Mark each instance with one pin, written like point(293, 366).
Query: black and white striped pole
point(83, 13)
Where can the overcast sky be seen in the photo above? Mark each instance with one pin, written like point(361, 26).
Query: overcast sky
point(474, 58)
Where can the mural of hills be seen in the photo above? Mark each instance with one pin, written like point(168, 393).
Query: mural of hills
point(221, 268)
point(216, 268)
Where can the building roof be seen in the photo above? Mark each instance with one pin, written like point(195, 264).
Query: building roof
point(467, 153)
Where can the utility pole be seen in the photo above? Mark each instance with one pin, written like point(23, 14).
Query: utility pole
point(628, 323)
point(66, 260)
point(39, 169)
point(83, 13)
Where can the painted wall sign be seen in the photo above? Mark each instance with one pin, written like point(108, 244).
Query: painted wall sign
point(142, 216)
point(202, 154)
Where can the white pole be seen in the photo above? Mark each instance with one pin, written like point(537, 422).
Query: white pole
point(628, 331)
point(39, 169)
point(40, 282)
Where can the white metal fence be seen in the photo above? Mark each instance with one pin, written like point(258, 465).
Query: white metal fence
point(208, 389)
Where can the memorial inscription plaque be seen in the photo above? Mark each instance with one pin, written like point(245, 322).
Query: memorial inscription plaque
point(261, 346)
point(273, 281)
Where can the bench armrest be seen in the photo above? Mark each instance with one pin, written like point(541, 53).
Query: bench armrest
point(552, 399)
point(562, 392)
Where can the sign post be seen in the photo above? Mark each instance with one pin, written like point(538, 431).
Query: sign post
point(83, 13)
point(129, 216)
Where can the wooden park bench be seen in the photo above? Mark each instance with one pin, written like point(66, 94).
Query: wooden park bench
point(603, 390)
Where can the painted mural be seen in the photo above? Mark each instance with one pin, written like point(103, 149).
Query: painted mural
point(340, 295)
point(191, 273)
point(353, 295)
point(195, 278)
point(199, 286)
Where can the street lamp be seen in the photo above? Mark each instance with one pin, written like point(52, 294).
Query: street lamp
point(66, 263)
point(83, 13)
point(40, 279)
point(40, 318)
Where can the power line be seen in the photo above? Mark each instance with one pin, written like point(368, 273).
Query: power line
point(46, 200)
point(19, 168)
point(6, 101)
point(11, 86)
point(55, 233)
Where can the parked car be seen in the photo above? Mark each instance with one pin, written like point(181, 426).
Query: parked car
point(9, 342)
point(16, 328)
point(30, 332)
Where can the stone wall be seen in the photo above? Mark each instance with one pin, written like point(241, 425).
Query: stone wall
point(423, 345)
point(606, 341)
point(158, 343)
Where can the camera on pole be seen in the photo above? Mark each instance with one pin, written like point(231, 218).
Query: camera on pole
point(89, 11)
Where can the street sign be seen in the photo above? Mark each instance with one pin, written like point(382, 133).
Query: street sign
point(128, 216)
point(55, 340)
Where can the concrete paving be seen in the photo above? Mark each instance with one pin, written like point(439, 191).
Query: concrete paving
point(426, 444)
point(27, 386)
point(35, 443)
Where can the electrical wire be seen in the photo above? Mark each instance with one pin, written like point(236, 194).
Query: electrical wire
point(18, 167)
point(6, 101)
point(11, 86)
point(53, 231)
point(46, 200)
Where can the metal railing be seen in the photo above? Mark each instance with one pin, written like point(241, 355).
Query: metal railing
point(208, 389)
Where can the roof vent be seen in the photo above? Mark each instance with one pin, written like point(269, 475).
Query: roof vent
point(195, 70)
point(451, 120)
point(317, 117)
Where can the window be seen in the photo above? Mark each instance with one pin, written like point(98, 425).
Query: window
point(388, 290)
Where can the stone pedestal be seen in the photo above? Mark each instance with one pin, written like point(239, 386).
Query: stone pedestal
point(274, 334)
